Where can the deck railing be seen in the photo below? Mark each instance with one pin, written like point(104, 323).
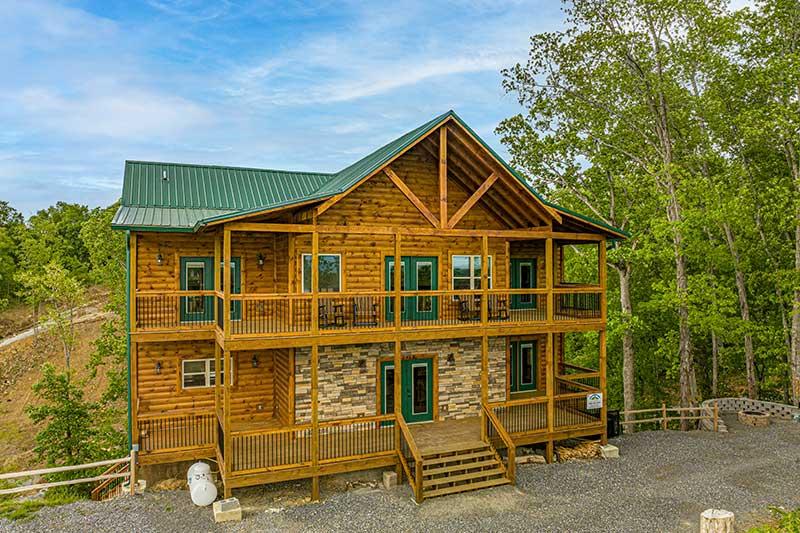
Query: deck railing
point(175, 432)
point(356, 438)
point(493, 430)
point(270, 448)
point(292, 313)
point(410, 458)
point(522, 416)
point(570, 411)
point(174, 310)
point(577, 303)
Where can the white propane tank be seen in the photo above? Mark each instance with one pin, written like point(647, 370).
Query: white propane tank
point(203, 492)
point(195, 469)
point(201, 487)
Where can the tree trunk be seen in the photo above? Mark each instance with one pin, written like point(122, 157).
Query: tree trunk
point(714, 364)
point(795, 166)
point(628, 359)
point(744, 309)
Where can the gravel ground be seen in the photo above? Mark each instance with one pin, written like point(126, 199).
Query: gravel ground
point(662, 482)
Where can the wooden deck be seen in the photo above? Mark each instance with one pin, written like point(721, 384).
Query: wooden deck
point(447, 435)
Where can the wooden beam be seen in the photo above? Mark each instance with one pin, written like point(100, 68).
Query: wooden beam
point(315, 283)
point(332, 201)
point(472, 200)
point(413, 198)
point(315, 419)
point(602, 365)
point(548, 273)
point(398, 280)
point(457, 173)
point(443, 177)
point(226, 282)
point(601, 274)
point(550, 391)
point(465, 137)
point(132, 281)
point(226, 415)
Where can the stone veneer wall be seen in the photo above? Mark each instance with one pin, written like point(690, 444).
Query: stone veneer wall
point(734, 405)
point(348, 377)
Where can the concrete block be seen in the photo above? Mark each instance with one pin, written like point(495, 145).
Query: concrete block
point(227, 510)
point(389, 480)
point(609, 451)
point(534, 458)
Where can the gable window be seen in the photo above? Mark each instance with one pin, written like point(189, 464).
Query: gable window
point(199, 373)
point(330, 272)
point(466, 272)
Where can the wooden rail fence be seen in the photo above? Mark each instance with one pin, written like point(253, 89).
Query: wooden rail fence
point(128, 473)
point(662, 418)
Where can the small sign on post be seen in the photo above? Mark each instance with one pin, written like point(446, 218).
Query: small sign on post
point(594, 400)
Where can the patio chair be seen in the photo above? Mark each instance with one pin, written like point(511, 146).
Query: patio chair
point(331, 315)
point(469, 309)
point(498, 309)
point(365, 312)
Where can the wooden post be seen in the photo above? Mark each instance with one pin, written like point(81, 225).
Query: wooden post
point(716, 416)
point(443, 222)
point(291, 285)
point(485, 368)
point(548, 271)
point(601, 274)
point(485, 280)
point(132, 283)
point(398, 400)
point(315, 419)
point(226, 428)
point(216, 272)
point(664, 424)
point(550, 392)
point(226, 283)
point(132, 478)
point(315, 282)
point(716, 521)
point(398, 270)
point(604, 408)
point(217, 384)
point(134, 393)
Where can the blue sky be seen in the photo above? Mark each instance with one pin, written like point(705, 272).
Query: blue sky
point(293, 85)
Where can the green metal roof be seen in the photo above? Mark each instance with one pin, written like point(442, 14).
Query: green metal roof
point(182, 197)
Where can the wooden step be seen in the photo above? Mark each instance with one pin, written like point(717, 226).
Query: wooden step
point(432, 482)
point(455, 448)
point(467, 487)
point(486, 452)
point(459, 467)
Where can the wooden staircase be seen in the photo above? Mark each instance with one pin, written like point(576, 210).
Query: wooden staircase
point(461, 469)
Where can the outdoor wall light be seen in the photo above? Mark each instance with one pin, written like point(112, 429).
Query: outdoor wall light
point(254, 361)
point(158, 367)
point(362, 363)
point(260, 259)
point(159, 258)
point(451, 359)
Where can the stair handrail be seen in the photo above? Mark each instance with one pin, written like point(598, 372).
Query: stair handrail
point(102, 490)
point(416, 486)
point(491, 417)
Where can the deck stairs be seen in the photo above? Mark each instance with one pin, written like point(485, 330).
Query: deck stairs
point(462, 468)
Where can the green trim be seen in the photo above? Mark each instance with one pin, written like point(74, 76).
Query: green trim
point(128, 329)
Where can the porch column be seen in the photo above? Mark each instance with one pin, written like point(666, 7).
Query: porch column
point(226, 282)
point(604, 409)
point(398, 400)
point(398, 269)
point(226, 378)
point(550, 392)
point(215, 273)
point(133, 423)
point(549, 258)
point(485, 318)
point(315, 364)
point(217, 386)
point(601, 277)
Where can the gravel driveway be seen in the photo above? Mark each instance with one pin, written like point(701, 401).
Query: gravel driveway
point(662, 482)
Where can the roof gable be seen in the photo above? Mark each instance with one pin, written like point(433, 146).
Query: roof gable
point(185, 197)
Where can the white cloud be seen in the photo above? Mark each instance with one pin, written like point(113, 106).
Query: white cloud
point(110, 111)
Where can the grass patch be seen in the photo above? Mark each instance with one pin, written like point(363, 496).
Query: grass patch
point(14, 509)
point(783, 522)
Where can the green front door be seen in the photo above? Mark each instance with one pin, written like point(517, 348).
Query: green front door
point(416, 386)
point(523, 276)
point(416, 274)
point(524, 358)
point(196, 275)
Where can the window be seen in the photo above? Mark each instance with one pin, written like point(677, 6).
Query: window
point(467, 272)
point(330, 272)
point(199, 373)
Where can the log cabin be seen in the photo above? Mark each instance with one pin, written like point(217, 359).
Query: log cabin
point(271, 331)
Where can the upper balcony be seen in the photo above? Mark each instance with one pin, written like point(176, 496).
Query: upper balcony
point(441, 289)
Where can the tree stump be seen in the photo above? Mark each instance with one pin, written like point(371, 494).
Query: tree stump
point(716, 521)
